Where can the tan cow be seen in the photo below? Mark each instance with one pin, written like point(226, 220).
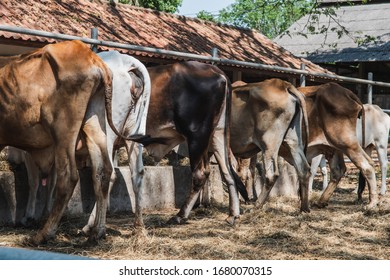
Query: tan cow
point(377, 126)
point(44, 96)
point(333, 111)
point(270, 116)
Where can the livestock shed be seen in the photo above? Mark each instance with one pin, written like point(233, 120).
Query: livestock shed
point(362, 47)
point(151, 29)
point(144, 27)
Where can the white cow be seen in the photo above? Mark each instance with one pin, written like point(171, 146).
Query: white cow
point(377, 126)
point(318, 161)
point(131, 81)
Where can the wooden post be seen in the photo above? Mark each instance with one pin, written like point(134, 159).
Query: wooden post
point(237, 76)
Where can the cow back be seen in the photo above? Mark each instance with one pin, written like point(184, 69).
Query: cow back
point(189, 95)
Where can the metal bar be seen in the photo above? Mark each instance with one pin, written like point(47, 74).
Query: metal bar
point(94, 35)
point(214, 53)
point(303, 77)
point(39, 33)
point(369, 88)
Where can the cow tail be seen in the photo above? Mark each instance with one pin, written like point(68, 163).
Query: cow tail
point(228, 101)
point(363, 126)
point(363, 113)
point(301, 99)
point(107, 84)
point(140, 126)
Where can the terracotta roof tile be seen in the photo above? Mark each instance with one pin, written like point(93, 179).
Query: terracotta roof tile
point(145, 27)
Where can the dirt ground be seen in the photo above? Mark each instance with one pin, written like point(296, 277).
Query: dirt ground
point(343, 230)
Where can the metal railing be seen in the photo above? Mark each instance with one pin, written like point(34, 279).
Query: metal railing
point(184, 55)
point(213, 59)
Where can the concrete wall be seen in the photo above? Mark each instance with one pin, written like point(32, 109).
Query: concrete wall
point(164, 187)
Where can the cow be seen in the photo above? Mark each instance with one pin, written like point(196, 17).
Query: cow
point(332, 112)
point(190, 102)
point(130, 97)
point(44, 97)
point(130, 101)
point(318, 161)
point(270, 117)
point(377, 126)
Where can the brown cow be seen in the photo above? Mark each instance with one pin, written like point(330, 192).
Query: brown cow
point(333, 111)
point(270, 116)
point(44, 96)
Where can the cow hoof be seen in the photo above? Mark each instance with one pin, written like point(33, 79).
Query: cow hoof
point(85, 231)
point(251, 201)
point(233, 220)
point(371, 206)
point(320, 204)
point(139, 224)
point(359, 201)
point(98, 233)
point(176, 220)
point(35, 240)
point(91, 242)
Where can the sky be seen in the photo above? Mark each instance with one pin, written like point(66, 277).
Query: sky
point(191, 7)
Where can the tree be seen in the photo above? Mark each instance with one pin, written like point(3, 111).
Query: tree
point(169, 6)
point(273, 17)
point(205, 16)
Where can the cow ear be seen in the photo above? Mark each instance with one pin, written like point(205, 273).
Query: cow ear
point(238, 84)
point(137, 86)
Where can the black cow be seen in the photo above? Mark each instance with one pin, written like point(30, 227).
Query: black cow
point(188, 103)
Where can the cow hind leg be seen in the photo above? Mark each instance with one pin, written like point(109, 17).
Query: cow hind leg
point(67, 177)
point(33, 184)
point(222, 157)
point(383, 162)
point(315, 162)
point(366, 167)
point(337, 168)
point(299, 161)
point(102, 172)
point(199, 177)
point(270, 173)
point(137, 170)
point(362, 181)
point(200, 172)
point(324, 172)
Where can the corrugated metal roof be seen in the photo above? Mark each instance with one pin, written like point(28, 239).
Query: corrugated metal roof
point(144, 27)
point(360, 20)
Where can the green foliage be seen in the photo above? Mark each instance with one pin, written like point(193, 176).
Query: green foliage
point(205, 15)
point(274, 17)
point(271, 17)
point(169, 6)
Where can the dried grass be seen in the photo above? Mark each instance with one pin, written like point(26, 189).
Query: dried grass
point(343, 230)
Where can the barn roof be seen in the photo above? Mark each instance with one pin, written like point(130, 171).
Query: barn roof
point(144, 27)
point(360, 20)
